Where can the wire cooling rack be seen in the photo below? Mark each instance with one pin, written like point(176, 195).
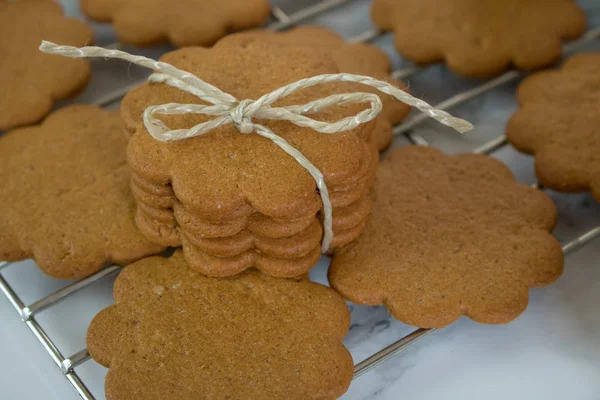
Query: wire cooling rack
point(283, 20)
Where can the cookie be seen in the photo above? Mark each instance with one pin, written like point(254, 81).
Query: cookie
point(450, 236)
point(256, 223)
point(154, 222)
point(65, 198)
point(145, 191)
point(352, 58)
point(185, 23)
point(31, 80)
point(294, 246)
point(343, 218)
point(212, 265)
point(176, 334)
point(481, 38)
point(558, 122)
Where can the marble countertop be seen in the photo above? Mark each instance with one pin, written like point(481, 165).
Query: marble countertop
point(551, 352)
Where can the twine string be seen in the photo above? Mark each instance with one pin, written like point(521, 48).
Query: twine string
point(229, 110)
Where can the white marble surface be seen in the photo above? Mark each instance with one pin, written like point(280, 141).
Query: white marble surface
point(551, 352)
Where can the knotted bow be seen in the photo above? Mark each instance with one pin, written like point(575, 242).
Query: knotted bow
point(229, 110)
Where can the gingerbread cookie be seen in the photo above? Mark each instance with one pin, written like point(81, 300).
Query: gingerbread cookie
point(31, 80)
point(65, 197)
point(183, 23)
point(352, 58)
point(559, 123)
point(241, 189)
point(450, 236)
point(480, 38)
point(177, 334)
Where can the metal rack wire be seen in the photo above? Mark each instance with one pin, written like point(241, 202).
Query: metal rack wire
point(283, 21)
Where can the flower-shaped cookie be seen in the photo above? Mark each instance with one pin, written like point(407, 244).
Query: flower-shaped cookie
point(182, 22)
point(481, 37)
point(450, 236)
point(31, 80)
point(65, 196)
point(352, 58)
point(177, 334)
point(224, 171)
point(559, 123)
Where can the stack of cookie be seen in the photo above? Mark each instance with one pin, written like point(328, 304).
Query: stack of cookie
point(237, 201)
point(282, 241)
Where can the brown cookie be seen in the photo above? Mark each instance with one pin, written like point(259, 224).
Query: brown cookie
point(256, 223)
point(294, 246)
point(344, 236)
point(150, 188)
point(166, 227)
point(212, 265)
point(176, 334)
point(183, 23)
point(163, 233)
point(172, 212)
point(31, 80)
point(352, 58)
point(160, 226)
point(558, 122)
point(348, 217)
point(145, 191)
point(480, 38)
point(65, 197)
point(450, 236)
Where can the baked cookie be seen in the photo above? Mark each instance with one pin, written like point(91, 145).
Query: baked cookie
point(480, 38)
point(31, 80)
point(183, 23)
point(558, 122)
point(65, 196)
point(450, 236)
point(177, 334)
point(352, 58)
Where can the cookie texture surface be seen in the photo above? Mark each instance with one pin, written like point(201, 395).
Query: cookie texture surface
point(480, 38)
point(450, 236)
point(31, 80)
point(183, 23)
point(559, 123)
point(174, 333)
point(65, 198)
point(241, 189)
point(353, 58)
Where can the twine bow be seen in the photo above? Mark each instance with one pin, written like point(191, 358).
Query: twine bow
point(229, 110)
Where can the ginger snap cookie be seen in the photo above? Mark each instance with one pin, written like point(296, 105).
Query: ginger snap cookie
point(236, 201)
point(183, 23)
point(558, 122)
point(481, 38)
point(353, 58)
point(31, 80)
point(174, 333)
point(65, 198)
point(450, 236)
